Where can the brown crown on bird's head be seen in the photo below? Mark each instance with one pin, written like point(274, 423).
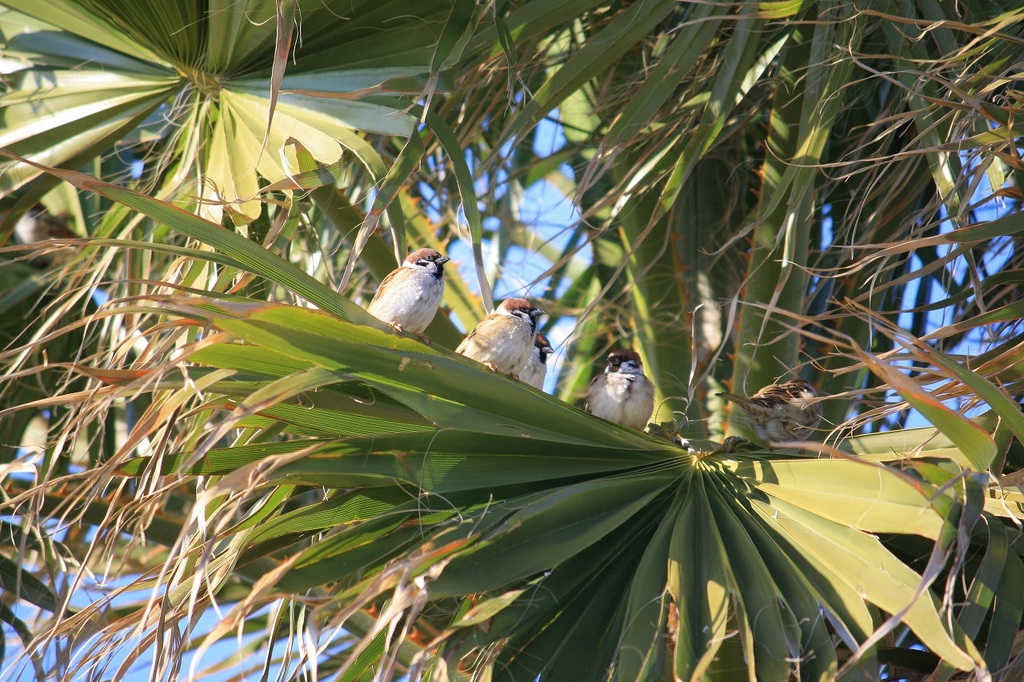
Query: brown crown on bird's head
point(427, 255)
point(541, 342)
point(617, 357)
point(511, 305)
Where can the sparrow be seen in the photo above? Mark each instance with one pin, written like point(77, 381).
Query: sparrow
point(504, 340)
point(535, 368)
point(622, 394)
point(39, 225)
point(408, 297)
point(781, 413)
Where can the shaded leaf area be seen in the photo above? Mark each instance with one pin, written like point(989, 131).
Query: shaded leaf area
point(536, 540)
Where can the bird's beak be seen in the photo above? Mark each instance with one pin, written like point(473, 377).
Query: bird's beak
point(537, 312)
point(442, 260)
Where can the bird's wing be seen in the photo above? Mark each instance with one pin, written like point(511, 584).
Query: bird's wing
point(586, 405)
point(384, 283)
point(465, 342)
